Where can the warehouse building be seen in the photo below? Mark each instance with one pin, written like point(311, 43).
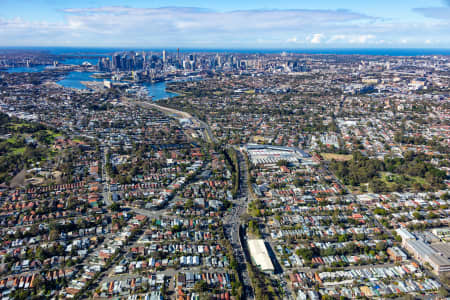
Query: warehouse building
point(436, 255)
point(260, 255)
point(270, 155)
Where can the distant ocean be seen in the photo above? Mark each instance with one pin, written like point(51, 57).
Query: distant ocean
point(78, 51)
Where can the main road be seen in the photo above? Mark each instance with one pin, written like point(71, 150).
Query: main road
point(178, 114)
point(233, 225)
point(232, 221)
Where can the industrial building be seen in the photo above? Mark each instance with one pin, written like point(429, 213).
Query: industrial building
point(436, 255)
point(405, 235)
point(260, 255)
point(270, 155)
point(442, 233)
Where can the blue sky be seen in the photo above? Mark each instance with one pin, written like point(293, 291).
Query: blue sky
point(227, 24)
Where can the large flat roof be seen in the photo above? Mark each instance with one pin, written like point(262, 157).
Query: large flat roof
point(443, 248)
point(250, 147)
point(421, 248)
point(260, 255)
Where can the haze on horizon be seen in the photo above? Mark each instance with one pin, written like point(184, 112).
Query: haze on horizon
point(226, 24)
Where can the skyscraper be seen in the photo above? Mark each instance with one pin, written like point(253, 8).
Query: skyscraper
point(116, 61)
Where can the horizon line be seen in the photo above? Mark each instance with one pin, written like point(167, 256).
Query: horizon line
point(172, 48)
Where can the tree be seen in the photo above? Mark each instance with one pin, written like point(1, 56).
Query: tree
point(418, 215)
point(445, 196)
point(377, 186)
point(53, 235)
point(114, 207)
point(37, 282)
point(381, 246)
point(299, 182)
point(305, 253)
point(380, 211)
point(282, 162)
point(431, 215)
point(21, 294)
point(342, 238)
point(189, 203)
point(201, 286)
point(443, 292)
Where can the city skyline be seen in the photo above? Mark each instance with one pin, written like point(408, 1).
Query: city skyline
point(231, 25)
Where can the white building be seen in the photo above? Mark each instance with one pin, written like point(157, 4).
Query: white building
point(405, 235)
point(436, 255)
point(270, 155)
point(260, 255)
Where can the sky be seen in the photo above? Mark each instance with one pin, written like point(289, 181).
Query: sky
point(230, 24)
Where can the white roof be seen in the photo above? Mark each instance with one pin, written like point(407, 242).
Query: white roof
point(260, 256)
point(405, 234)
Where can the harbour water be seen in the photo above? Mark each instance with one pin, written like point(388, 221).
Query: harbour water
point(74, 79)
point(79, 61)
point(25, 69)
point(158, 91)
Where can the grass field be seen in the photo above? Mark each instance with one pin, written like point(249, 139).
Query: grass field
point(52, 133)
point(12, 140)
point(338, 157)
point(18, 125)
point(408, 181)
point(20, 150)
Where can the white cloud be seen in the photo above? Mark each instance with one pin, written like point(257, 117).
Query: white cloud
point(177, 26)
point(352, 39)
point(295, 40)
point(337, 37)
point(361, 39)
point(120, 26)
point(315, 38)
point(181, 18)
